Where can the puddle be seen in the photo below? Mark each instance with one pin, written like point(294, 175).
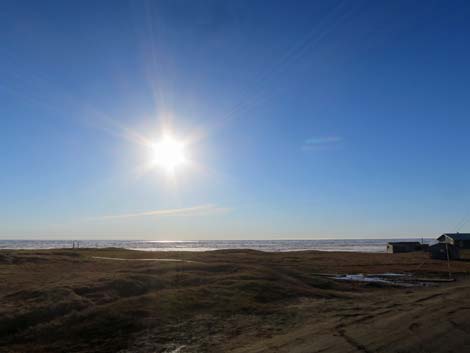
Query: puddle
point(396, 279)
point(391, 274)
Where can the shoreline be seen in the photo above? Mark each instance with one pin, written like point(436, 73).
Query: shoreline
point(345, 245)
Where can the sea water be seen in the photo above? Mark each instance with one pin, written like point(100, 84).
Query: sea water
point(357, 245)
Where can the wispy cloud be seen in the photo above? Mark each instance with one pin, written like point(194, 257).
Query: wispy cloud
point(187, 211)
point(318, 143)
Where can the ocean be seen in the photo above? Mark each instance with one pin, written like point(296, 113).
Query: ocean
point(357, 245)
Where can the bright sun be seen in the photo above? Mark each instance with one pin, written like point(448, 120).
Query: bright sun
point(168, 153)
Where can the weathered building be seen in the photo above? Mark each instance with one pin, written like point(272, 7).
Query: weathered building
point(451, 246)
point(404, 246)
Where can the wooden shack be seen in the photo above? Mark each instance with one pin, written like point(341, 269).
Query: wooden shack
point(403, 246)
point(457, 245)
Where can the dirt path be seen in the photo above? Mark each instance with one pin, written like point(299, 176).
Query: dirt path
point(157, 260)
point(430, 320)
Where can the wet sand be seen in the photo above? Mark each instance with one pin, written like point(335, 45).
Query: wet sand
point(228, 301)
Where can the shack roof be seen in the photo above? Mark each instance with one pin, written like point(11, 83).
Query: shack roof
point(454, 236)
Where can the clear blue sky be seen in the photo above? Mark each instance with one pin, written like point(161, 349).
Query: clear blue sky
point(314, 119)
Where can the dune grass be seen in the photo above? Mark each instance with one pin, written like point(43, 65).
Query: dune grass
point(68, 301)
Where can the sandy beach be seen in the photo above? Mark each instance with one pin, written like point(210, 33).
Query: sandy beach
point(112, 300)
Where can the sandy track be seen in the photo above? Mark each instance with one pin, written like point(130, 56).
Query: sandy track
point(430, 320)
point(122, 259)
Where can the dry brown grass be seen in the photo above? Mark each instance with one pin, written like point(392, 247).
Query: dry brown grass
point(68, 301)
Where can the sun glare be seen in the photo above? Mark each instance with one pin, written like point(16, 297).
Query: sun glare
point(168, 153)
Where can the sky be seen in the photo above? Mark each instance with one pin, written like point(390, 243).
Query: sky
point(299, 119)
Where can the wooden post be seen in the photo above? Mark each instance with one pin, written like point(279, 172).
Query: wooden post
point(448, 261)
